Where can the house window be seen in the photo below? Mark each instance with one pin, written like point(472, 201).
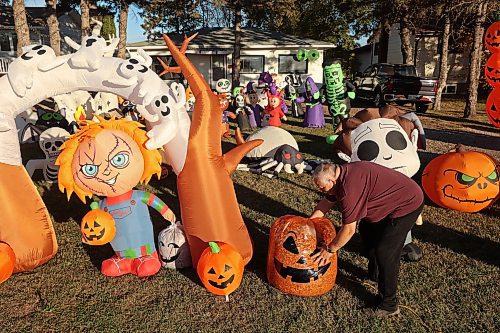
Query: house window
point(450, 89)
point(218, 67)
point(288, 65)
point(252, 64)
point(158, 68)
point(5, 43)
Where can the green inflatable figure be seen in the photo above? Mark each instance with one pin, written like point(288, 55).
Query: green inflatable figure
point(338, 94)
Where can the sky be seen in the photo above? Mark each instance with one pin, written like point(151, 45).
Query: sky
point(134, 30)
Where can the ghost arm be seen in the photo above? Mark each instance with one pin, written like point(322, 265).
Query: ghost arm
point(156, 203)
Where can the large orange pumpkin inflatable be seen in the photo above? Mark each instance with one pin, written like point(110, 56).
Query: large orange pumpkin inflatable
point(466, 181)
point(292, 242)
point(493, 107)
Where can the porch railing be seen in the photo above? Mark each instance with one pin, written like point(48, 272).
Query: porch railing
point(4, 65)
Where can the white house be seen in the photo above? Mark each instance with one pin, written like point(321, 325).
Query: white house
point(69, 25)
point(211, 53)
point(426, 45)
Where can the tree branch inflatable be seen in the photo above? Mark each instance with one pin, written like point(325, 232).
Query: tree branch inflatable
point(209, 208)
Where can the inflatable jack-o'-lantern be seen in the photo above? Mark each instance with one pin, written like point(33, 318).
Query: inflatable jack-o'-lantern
point(292, 242)
point(492, 70)
point(7, 261)
point(492, 37)
point(98, 226)
point(466, 181)
point(493, 107)
point(220, 268)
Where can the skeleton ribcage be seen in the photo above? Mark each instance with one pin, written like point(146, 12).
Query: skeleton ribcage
point(50, 172)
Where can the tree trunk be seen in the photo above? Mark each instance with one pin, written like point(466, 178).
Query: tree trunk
point(443, 62)
point(383, 46)
point(237, 46)
point(475, 60)
point(122, 26)
point(53, 24)
point(406, 45)
point(85, 9)
point(21, 25)
point(209, 207)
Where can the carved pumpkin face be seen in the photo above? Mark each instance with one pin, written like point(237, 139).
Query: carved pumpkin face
point(492, 37)
point(463, 181)
point(493, 107)
point(98, 227)
point(492, 70)
point(173, 248)
point(292, 242)
point(220, 268)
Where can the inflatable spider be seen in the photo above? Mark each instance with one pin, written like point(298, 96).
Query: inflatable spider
point(278, 152)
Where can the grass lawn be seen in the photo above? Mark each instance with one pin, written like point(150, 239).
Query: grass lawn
point(454, 288)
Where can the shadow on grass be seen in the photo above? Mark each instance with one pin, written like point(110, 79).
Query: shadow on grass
point(453, 119)
point(469, 245)
point(465, 138)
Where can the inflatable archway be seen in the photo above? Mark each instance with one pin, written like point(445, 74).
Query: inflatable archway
point(25, 225)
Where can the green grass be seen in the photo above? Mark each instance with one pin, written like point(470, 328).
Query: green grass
point(454, 288)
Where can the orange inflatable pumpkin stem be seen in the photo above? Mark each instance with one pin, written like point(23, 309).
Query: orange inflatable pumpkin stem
point(207, 198)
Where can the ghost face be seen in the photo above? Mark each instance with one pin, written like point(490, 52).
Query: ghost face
point(223, 86)
point(383, 141)
point(109, 164)
point(132, 67)
point(253, 98)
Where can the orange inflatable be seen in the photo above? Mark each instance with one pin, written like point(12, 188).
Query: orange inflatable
point(26, 232)
point(209, 208)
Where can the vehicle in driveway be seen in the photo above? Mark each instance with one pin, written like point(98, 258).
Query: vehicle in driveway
point(395, 83)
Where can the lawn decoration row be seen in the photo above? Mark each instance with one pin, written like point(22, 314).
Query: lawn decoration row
point(492, 71)
point(462, 180)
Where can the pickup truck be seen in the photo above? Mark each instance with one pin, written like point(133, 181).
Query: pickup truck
point(395, 83)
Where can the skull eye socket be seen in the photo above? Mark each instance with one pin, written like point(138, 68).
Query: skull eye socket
point(58, 143)
point(290, 246)
point(368, 150)
point(396, 140)
point(211, 271)
point(47, 145)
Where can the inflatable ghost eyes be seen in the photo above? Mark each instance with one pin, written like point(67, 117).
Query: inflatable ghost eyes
point(466, 181)
point(292, 242)
point(220, 268)
point(173, 247)
point(383, 141)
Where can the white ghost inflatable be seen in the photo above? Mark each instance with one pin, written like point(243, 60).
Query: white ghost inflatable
point(173, 247)
point(88, 55)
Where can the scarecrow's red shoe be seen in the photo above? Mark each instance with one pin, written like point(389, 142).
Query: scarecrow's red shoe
point(117, 266)
point(147, 265)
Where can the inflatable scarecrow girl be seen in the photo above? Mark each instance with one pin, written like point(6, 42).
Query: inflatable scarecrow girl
point(109, 159)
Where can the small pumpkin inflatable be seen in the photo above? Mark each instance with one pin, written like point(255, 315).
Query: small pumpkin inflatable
point(492, 70)
point(7, 261)
point(292, 242)
point(220, 268)
point(98, 226)
point(466, 181)
point(493, 107)
point(173, 248)
point(492, 37)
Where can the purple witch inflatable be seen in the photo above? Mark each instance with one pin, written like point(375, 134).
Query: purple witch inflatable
point(314, 116)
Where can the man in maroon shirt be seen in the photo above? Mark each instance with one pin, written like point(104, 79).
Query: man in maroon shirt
point(388, 202)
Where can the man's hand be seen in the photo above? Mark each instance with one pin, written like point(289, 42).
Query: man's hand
point(322, 257)
point(169, 216)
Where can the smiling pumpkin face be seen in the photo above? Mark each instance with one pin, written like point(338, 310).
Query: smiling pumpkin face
point(292, 242)
point(492, 37)
point(493, 107)
point(463, 181)
point(220, 268)
point(108, 164)
point(98, 227)
point(492, 70)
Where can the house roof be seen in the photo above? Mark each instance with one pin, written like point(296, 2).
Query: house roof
point(36, 16)
point(209, 38)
